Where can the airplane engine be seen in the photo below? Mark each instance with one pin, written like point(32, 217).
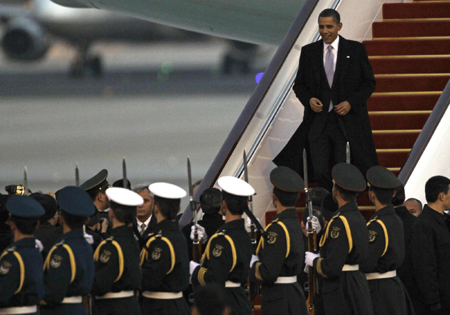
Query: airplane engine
point(23, 39)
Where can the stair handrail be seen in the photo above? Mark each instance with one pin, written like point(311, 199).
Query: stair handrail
point(253, 104)
point(425, 135)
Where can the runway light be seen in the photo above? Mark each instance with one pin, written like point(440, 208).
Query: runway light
point(258, 77)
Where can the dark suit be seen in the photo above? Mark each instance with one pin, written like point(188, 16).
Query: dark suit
point(142, 237)
point(430, 257)
point(353, 82)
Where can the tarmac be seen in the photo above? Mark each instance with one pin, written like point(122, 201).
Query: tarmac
point(156, 104)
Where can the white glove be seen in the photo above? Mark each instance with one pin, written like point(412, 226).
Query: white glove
point(192, 266)
point(248, 224)
point(254, 259)
point(309, 258)
point(202, 236)
point(89, 238)
point(39, 245)
point(315, 224)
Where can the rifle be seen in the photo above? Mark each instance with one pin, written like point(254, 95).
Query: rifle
point(253, 287)
point(197, 246)
point(312, 241)
point(253, 236)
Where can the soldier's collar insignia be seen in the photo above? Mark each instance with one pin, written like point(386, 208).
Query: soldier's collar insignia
point(56, 261)
point(335, 232)
point(217, 251)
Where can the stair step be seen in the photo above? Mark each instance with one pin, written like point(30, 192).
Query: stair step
point(398, 120)
point(411, 28)
point(390, 140)
point(411, 83)
point(409, 64)
point(392, 158)
point(383, 47)
point(416, 10)
point(402, 102)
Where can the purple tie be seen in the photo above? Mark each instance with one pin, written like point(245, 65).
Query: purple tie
point(329, 69)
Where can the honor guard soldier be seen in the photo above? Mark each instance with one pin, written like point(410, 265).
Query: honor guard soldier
point(96, 187)
point(343, 247)
point(69, 267)
point(117, 270)
point(164, 258)
point(280, 252)
point(386, 247)
point(227, 256)
point(21, 279)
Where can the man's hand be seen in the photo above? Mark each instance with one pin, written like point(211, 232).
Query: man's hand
point(316, 105)
point(314, 223)
point(343, 108)
point(192, 266)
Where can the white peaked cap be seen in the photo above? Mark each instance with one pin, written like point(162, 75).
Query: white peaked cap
point(166, 190)
point(124, 196)
point(235, 186)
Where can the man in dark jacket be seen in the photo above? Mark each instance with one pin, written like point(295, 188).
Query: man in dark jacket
point(430, 250)
point(333, 83)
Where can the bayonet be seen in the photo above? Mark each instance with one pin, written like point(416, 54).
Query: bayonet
point(347, 153)
point(77, 175)
point(196, 250)
point(25, 181)
point(124, 173)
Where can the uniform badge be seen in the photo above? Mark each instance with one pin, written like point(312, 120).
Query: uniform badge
point(4, 268)
point(156, 253)
point(105, 256)
point(272, 237)
point(335, 232)
point(217, 251)
point(372, 235)
point(56, 261)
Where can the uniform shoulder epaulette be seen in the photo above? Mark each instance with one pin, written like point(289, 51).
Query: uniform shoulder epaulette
point(59, 244)
point(336, 231)
point(372, 220)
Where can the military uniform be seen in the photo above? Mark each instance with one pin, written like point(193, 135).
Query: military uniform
point(211, 223)
point(21, 279)
point(280, 259)
point(430, 257)
point(68, 274)
point(385, 255)
point(226, 261)
point(344, 288)
point(69, 267)
point(165, 271)
point(117, 273)
point(343, 247)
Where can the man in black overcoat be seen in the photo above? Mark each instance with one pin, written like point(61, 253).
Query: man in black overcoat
point(333, 86)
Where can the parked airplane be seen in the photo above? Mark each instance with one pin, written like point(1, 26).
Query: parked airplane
point(28, 28)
